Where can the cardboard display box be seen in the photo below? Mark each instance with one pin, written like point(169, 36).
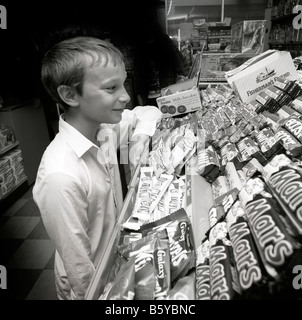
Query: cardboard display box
point(179, 103)
point(260, 72)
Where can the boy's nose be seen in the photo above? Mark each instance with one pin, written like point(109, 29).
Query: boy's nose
point(125, 96)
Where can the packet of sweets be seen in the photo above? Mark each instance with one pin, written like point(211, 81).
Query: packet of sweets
point(173, 197)
point(232, 177)
point(181, 149)
point(160, 211)
point(184, 289)
point(152, 265)
point(249, 149)
point(182, 191)
point(169, 203)
point(293, 125)
point(159, 187)
point(142, 253)
point(219, 187)
point(159, 158)
point(143, 197)
point(181, 243)
point(216, 213)
point(202, 272)
point(162, 267)
point(252, 168)
point(122, 288)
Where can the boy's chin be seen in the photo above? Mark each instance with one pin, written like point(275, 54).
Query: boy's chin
point(116, 119)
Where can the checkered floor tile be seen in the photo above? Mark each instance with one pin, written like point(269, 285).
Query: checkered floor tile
point(26, 252)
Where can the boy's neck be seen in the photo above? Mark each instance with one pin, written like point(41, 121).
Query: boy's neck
point(88, 130)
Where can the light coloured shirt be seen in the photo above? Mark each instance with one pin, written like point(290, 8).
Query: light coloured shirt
point(78, 192)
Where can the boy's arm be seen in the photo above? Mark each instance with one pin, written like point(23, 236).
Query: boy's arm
point(136, 127)
point(64, 215)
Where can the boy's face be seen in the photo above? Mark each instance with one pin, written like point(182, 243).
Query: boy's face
point(104, 97)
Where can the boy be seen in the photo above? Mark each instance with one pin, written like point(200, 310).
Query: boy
point(78, 189)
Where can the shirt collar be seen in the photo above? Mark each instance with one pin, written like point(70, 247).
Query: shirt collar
point(79, 143)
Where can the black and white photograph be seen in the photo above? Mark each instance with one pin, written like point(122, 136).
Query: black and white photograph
point(151, 150)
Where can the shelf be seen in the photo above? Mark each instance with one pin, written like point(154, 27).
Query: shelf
point(8, 148)
point(14, 189)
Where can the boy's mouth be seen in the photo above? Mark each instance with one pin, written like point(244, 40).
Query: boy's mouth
point(119, 110)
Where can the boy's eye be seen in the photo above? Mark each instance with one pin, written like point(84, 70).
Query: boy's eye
point(111, 88)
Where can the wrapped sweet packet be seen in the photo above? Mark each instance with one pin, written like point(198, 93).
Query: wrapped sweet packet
point(293, 125)
point(122, 287)
point(159, 187)
point(152, 265)
point(181, 150)
point(184, 289)
point(142, 204)
point(181, 243)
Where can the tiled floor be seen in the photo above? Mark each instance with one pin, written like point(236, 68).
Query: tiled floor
point(26, 252)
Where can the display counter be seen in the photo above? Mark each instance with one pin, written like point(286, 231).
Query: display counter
point(237, 169)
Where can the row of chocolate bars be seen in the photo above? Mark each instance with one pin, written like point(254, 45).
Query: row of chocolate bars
point(254, 240)
point(239, 257)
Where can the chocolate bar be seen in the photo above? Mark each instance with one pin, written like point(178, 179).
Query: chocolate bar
point(223, 274)
point(297, 104)
point(286, 185)
point(280, 96)
point(248, 148)
point(202, 272)
point(251, 272)
point(275, 244)
point(255, 106)
point(268, 143)
point(228, 153)
point(179, 230)
point(292, 146)
point(294, 126)
point(216, 214)
point(268, 102)
point(208, 163)
point(288, 86)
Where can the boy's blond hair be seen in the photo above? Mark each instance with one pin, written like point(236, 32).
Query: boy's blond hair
point(63, 64)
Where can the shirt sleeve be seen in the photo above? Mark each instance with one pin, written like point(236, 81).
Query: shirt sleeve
point(140, 120)
point(61, 200)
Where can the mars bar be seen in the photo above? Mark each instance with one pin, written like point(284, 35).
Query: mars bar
point(202, 272)
point(275, 244)
point(251, 273)
point(286, 185)
point(223, 274)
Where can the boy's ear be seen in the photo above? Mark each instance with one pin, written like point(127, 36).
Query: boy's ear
point(68, 95)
